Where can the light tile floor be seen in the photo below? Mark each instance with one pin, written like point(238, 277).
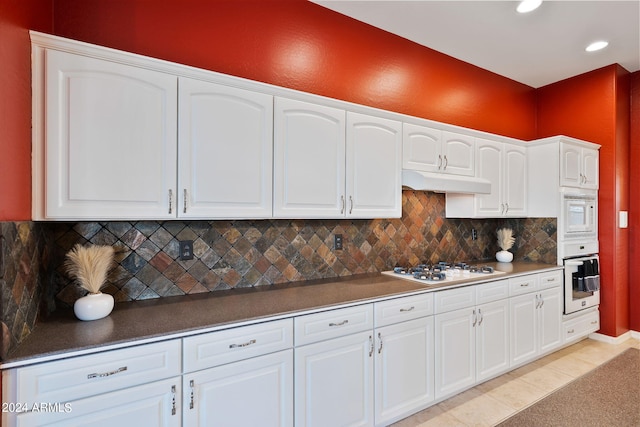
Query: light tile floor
point(491, 402)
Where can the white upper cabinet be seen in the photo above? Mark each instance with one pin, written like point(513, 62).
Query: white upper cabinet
point(309, 160)
point(505, 167)
point(108, 149)
point(578, 166)
point(225, 151)
point(433, 150)
point(373, 185)
point(332, 164)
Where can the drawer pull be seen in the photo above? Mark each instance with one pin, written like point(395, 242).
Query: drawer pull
point(407, 309)
point(344, 322)
point(248, 343)
point(551, 279)
point(594, 322)
point(524, 285)
point(106, 374)
point(570, 331)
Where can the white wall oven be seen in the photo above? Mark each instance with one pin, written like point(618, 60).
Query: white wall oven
point(581, 283)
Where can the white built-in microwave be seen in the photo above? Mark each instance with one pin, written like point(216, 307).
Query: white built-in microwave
point(579, 216)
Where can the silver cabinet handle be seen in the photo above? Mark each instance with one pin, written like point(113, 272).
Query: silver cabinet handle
point(407, 309)
point(506, 208)
point(106, 374)
point(570, 331)
point(594, 322)
point(551, 279)
point(446, 163)
point(350, 205)
point(344, 322)
point(246, 344)
point(170, 201)
point(184, 210)
point(380, 339)
point(541, 301)
point(524, 285)
point(191, 386)
point(370, 346)
point(342, 200)
point(481, 317)
point(475, 318)
point(537, 301)
point(439, 161)
point(173, 400)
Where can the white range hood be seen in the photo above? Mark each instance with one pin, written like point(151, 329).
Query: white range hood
point(443, 183)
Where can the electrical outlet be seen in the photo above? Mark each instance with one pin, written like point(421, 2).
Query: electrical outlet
point(337, 242)
point(474, 234)
point(186, 250)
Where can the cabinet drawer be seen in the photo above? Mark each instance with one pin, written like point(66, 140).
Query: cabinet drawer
point(332, 324)
point(523, 284)
point(230, 345)
point(84, 376)
point(401, 309)
point(581, 326)
point(454, 299)
point(492, 291)
point(551, 279)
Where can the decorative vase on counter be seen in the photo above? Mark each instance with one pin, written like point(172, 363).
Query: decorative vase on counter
point(504, 256)
point(93, 306)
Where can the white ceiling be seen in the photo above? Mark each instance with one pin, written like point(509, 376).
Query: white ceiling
point(542, 47)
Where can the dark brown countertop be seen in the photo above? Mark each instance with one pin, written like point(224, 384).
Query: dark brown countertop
point(62, 335)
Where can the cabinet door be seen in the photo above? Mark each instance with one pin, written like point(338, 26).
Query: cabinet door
point(110, 140)
point(524, 328)
point(334, 382)
point(550, 318)
point(570, 165)
point(154, 404)
point(590, 168)
point(515, 180)
point(455, 351)
point(252, 392)
point(421, 148)
point(404, 378)
point(225, 141)
point(309, 160)
point(458, 154)
point(489, 167)
point(373, 183)
point(492, 339)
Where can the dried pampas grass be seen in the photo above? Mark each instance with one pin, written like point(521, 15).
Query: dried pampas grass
point(89, 265)
point(506, 239)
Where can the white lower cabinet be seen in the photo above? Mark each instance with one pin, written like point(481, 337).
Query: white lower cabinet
point(252, 392)
point(240, 376)
point(154, 404)
point(471, 343)
point(334, 382)
point(139, 385)
point(536, 320)
point(403, 357)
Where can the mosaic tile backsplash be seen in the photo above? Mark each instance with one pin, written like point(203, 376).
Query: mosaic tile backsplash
point(231, 254)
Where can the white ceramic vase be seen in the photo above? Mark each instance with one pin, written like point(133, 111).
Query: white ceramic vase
point(504, 256)
point(93, 306)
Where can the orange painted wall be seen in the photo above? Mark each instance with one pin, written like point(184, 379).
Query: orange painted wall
point(16, 17)
point(634, 205)
point(595, 107)
point(301, 45)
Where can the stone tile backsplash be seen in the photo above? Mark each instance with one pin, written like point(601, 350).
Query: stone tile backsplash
point(230, 254)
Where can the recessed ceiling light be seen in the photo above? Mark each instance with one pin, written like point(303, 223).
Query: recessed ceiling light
point(597, 46)
point(528, 5)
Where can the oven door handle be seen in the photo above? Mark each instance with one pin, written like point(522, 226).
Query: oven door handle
point(574, 263)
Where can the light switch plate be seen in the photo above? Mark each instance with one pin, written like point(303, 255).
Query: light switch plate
point(623, 219)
